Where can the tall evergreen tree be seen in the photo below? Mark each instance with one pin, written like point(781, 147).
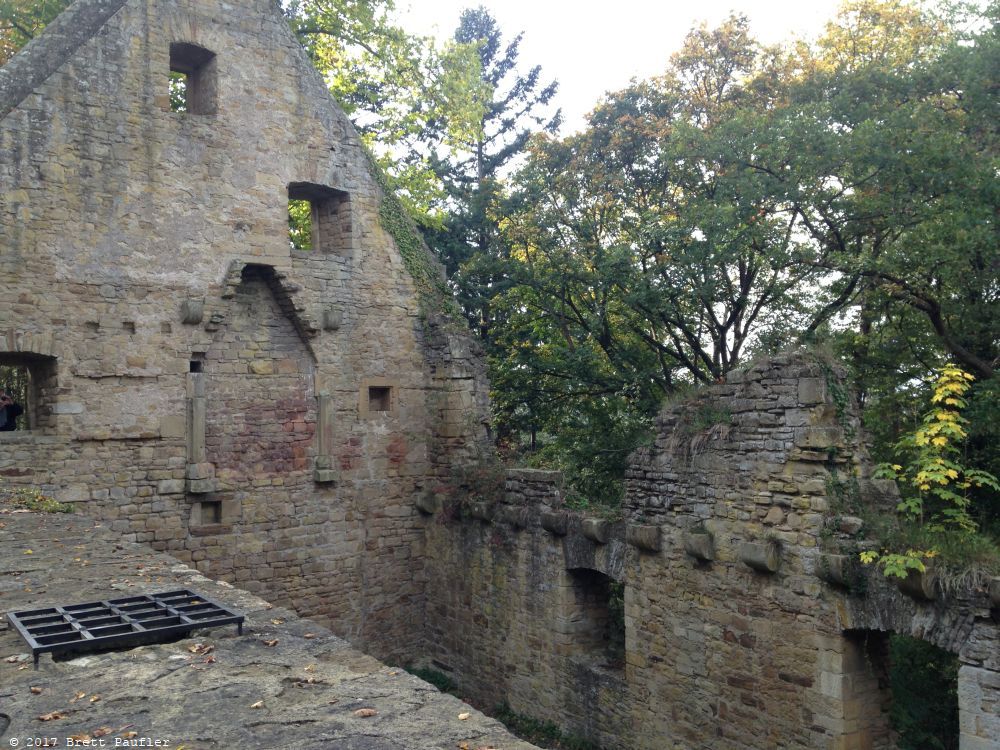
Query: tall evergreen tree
point(519, 105)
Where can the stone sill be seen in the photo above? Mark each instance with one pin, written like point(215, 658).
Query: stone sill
point(211, 529)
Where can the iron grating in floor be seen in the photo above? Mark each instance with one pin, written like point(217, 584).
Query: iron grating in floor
point(119, 623)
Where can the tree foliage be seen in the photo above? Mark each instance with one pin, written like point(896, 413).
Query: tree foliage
point(472, 168)
point(22, 20)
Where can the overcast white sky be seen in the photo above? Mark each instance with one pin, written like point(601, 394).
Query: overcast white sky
point(591, 47)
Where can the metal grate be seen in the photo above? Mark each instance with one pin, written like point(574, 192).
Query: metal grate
point(119, 623)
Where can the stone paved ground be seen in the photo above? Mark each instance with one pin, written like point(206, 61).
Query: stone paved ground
point(301, 692)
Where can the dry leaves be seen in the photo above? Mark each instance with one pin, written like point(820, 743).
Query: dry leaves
point(277, 622)
point(129, 735)
point(309, 636)
point(13, 659)
point(52, 716)
point(101, 731)
point(364, 713)
point(464, 717)
point(94, 698)
point(271, 643)
point(258, 704)
point(201, 649)
point(77, 697)
point(35, 690)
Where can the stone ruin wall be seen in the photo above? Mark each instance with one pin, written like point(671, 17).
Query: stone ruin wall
point(142, 244)
point(764, 471)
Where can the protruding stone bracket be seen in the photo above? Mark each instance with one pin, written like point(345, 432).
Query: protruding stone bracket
point(332, 319)
point(645, 537)
point(838, 570)
point(919, 585)
point(700, 545)
point(554, 522)
point(428, 503)
point(193, 310)
point(763, 557)
point(596, 530)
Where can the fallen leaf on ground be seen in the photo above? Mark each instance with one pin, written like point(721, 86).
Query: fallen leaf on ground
point(77, 697)
point(51, 716)
point(258, 704)
point(80, 737)
point(36, 690)
point(29, 552)
point(277, 622)
point(310, 667)
point(201, 648)
point(310, 636)
point(364, 713)
point(94, 698)
point(464, 717)
point(101, 731)
point(129, 735)
point(271, 643)
point(13, 659)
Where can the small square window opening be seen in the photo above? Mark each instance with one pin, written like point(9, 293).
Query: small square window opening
point(192, 83)
point(300, 224)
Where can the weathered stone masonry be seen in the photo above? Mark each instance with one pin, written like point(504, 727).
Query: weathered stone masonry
point(199, 384)
point(747, 623)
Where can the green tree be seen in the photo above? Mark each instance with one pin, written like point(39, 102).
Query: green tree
point(403, 92)
point(22, 20)
point(472, 169)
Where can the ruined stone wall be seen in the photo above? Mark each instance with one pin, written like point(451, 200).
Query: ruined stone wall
point(204, 385)
point(747, 622)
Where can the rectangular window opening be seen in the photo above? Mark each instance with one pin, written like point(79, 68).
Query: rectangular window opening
point(192, 83)
point(211, 512)
point(27, 382)
point(379, 398)
point(319, 218)
point(599, 612)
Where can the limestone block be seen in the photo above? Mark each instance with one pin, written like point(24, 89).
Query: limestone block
point(325, 476)
point(764, 557)
point(67, 407)
point(645, 537)
point(595, 529)
point(921, 586)
point(428, 503)
point(170, 487)
point(700, 546)
point(555, 523)
point(203, 470)
point(818, 437)
point(839, 570)
point(173, 426)
point(201, 486)
point(812, 391)
point(332, 319)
